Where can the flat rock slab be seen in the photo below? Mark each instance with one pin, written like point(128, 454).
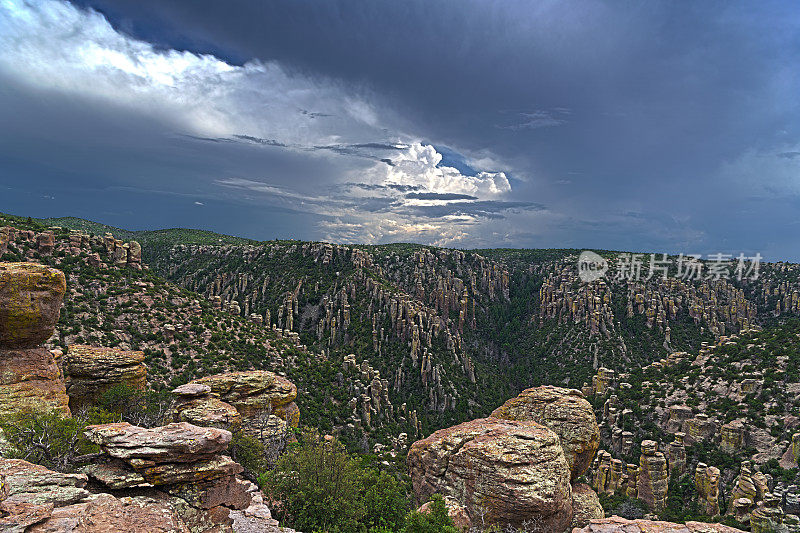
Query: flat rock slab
point(615, 524)
point(178, 442)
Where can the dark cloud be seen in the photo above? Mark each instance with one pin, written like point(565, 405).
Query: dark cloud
point(683, 113)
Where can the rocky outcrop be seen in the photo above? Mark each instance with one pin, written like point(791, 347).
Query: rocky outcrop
point(564, 411)
point(732, 437)
point(183, 461)
point(769, 517)
point(585, 505)
point(30, 380)
point(616, 524)
point(30, 300)
point(677, 455)
point(502, 472)
point(748, 485)
point(91, 371)
point(34, 499)
point(145, 448)
point(259, 403)
point(653, 477)
point(255, 394)
point(706, 481)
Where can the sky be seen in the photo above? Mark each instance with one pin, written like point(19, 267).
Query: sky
point(646, 126)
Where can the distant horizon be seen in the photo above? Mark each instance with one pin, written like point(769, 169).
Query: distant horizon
point(267, 240)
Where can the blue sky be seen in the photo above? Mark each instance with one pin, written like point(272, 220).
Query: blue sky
point(645, 126)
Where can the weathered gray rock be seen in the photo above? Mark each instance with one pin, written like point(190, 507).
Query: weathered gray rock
point(505, 471)
point(179, 442)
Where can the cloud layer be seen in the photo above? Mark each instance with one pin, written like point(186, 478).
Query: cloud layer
point(670, 127)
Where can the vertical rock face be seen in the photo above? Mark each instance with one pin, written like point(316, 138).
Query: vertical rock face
point(732, 437)
point(677, 455)
point(566, 412)
point(30, 380)
point(30, 300)
point(792, 456)
point(502, 471)
point(91, 371)
point(706, 481)
point(653, 476)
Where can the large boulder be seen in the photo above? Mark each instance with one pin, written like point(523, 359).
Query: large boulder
point(585, 505)
point(91, 371)
point(30, 381)
point(30, 302)
point(503, 472)
point(179, 442)
point(256, 393)
point(615, 524)
point(566, 412)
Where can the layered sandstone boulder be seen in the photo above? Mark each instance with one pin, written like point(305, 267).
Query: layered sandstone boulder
point(183, 465)
point(91, 371)
point(34, 499)
point(194, 404)
point(30, 301)
point(174, 443)
point(564, 411)
point(254, 393)
point(506, 472)
point(30, 381)
point(260, 404)
point(616, 524)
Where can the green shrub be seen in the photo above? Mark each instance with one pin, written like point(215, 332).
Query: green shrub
point(321, 487)
point(434, 521)
point(51, 440)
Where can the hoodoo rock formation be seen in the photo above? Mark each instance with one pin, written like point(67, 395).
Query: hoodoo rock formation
point(255, 393)
point(30, 300)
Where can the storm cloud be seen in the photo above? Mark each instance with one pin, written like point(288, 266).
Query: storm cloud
point(659, 126)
